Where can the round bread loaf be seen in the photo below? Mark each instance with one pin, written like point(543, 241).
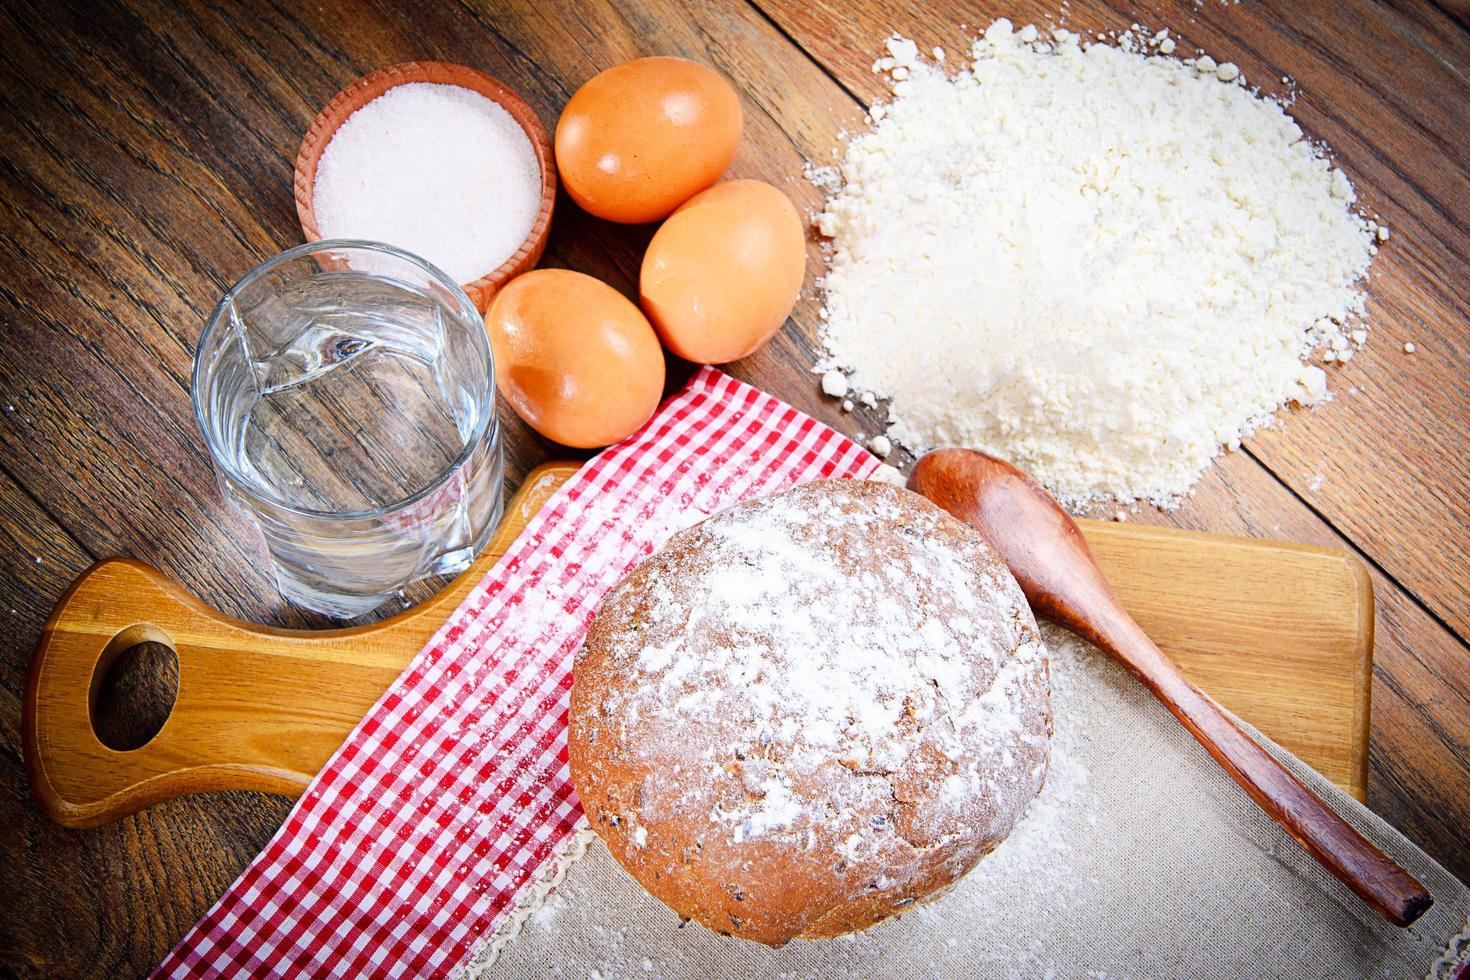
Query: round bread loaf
point(810, 711)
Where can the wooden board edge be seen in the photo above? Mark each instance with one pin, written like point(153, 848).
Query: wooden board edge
point(1357, 582)
point(1367, 633)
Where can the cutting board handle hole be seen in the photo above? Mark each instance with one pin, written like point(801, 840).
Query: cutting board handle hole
point(134, 687)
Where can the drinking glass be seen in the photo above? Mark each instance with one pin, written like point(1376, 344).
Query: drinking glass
point(346, 393)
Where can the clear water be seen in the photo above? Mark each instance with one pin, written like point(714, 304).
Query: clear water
point(345, 411)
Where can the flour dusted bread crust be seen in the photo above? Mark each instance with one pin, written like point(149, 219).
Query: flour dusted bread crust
point(809, 712)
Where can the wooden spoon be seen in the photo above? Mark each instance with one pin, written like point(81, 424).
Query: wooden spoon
point(1049, 557)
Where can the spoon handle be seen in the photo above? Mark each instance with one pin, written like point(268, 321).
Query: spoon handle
point(1045, 550)
point(1351, 858)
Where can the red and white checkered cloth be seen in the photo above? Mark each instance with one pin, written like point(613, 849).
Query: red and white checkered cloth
point(415, 838)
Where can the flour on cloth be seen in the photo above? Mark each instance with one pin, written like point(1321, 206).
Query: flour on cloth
point(1099, 262)
point(1140, 858)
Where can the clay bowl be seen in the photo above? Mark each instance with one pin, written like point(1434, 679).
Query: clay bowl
point(369, 87)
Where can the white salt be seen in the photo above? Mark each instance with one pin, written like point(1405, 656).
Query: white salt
point(436, 170)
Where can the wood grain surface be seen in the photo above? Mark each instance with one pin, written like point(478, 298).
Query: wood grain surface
point(146, 165)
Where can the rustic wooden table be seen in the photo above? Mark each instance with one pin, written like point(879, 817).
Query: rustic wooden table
point(146, 165)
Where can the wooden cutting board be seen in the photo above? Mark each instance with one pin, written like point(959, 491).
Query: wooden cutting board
point(1280, 633)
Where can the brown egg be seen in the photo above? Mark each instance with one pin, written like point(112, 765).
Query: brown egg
point(640, 139)
point(574, 357)
point(722, 274)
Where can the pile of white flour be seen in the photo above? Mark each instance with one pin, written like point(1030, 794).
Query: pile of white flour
point(1099, 262)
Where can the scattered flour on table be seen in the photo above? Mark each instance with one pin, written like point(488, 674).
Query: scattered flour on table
point(1102, 263)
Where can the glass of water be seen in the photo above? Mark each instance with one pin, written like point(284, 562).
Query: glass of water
point(346, 392)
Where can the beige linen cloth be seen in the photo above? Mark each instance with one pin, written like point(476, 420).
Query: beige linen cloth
point(1140, 859)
